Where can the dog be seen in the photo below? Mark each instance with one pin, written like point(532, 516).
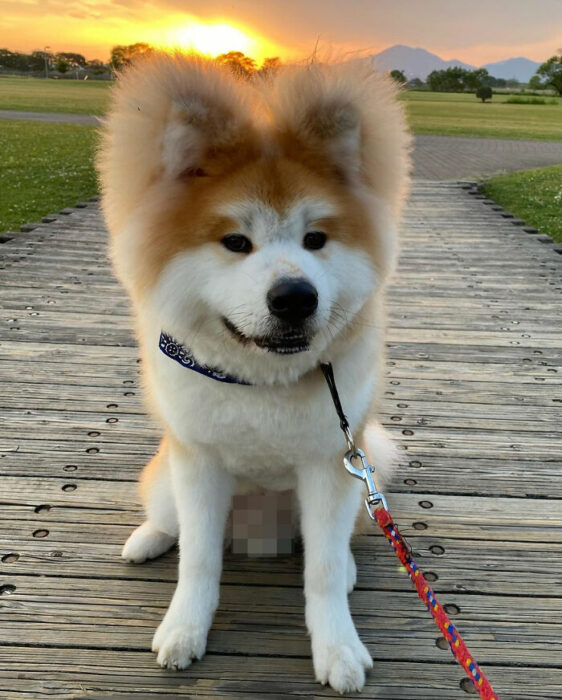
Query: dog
point(254, 225)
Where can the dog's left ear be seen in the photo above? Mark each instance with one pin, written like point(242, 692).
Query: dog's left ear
point(344, 120)
point(326, 135)
point(318, 121)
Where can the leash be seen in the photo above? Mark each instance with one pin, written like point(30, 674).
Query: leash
point(377, 508)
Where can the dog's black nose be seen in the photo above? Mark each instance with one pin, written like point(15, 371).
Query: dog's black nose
point(292, 300)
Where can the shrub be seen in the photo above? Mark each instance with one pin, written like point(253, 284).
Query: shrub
point(530, 101)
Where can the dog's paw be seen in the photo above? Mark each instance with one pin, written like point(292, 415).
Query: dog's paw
point(351, 572)
point(343, 666)
point(146, 542)
point(177, 645)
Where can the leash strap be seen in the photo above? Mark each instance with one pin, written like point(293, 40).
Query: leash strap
point(378, 511)
point(456, 643)
point(328, 372)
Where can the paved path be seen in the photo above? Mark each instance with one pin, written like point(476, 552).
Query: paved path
point(472, 397)
point(435, 157)
point(50, 117)
point(464, 158)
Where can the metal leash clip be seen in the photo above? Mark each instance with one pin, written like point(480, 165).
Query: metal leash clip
point(366, 474)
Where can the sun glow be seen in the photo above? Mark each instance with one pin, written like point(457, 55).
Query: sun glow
point(209, 39)
point(212, 39)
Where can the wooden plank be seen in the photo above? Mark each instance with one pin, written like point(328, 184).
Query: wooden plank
point(124, 674)
point(472, 397)
point(395, 625)
point(47, 505)
point(461, 565)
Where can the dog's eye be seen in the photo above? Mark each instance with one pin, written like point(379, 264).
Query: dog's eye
point(237, 243)
point(314, 240)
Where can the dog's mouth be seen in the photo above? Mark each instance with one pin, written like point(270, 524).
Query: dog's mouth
point(282, 343)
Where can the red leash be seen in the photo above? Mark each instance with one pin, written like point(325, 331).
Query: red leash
point(456, 643)
point(378, 510)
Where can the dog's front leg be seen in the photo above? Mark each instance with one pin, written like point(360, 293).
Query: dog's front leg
point(203, 494)
point(329, 500)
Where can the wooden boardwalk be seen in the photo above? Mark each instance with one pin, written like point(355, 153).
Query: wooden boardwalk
point(473, 397)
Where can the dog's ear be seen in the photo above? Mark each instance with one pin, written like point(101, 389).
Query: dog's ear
point(204, 138)
point(174, 115)
point(330, 133)
point(344, 120)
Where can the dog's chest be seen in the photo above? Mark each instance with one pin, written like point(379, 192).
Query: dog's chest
point(243, 420)
point(254, 430)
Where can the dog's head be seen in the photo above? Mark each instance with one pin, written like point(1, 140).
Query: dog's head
point(253, 221)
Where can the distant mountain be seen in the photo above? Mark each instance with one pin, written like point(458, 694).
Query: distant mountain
point(418, 63)
point(415, 63)
point(520, 68)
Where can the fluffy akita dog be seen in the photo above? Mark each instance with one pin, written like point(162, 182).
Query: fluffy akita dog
point(255, 224)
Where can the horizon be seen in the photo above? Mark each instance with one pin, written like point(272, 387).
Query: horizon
point(92, 27)
point(171, 48)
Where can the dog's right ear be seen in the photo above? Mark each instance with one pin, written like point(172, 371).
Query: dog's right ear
point(205, 138)
point(177, 116)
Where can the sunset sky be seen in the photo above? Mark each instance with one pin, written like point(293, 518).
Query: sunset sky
point(474, 31)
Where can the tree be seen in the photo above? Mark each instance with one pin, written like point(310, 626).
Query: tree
point(535, 83)
point(73, 59)
point(12, 60)
point(484, 93)
point(473, 79)
point(494, 82)
point(61, 66)
point(241, 65)
point(39, 58)
point(551, 71)
point(416, 83)
point(457, 79)
point(96, 67)
point(449, 80)
point(398, 76)
point(270, 66)
point(121, 56)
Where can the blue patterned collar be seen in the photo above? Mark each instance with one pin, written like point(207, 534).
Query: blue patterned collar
point(183, 356)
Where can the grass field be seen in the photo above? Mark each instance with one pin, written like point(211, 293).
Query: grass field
point(43, 167)
point(456, 114)
point(71, 96)
point(452, 114)
point(533, 195)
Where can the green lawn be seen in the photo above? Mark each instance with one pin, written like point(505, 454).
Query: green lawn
point(453, 114)
point(43, 167)
point(533, 195)
point(71, 96)
point(456, 114)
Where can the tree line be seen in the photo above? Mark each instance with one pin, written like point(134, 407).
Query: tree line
point(43, 62)
point(457, 79)
point(453, 79)
point(35, 62)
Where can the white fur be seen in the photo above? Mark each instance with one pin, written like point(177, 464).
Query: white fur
point(282, 432)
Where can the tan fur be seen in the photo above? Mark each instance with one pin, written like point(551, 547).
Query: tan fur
point(189, 155)
point(148, 100)
point(274, 140)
